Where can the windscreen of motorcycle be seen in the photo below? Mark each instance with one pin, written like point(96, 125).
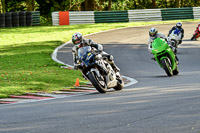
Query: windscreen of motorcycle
point(82, 52)
point(159, 45)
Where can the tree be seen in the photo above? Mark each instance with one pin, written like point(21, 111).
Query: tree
point(135, 5)
point(153, 3)
point(30, 5)
point(45, 7)
point(109, 4)
point(177, 3)
point(2, 6)
point(89, 5)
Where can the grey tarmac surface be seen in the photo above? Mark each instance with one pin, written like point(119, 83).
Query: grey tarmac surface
point(156, 104)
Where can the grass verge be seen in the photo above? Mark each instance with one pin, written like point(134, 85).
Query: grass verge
point(25, 56)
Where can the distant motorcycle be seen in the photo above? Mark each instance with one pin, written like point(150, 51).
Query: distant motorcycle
point(175, 37)
point(165, 57)
point(196, 33)
point(98, 71)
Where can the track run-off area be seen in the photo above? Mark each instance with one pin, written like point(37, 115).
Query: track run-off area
point(155, 104)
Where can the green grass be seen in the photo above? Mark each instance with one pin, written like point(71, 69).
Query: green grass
point(25, 56)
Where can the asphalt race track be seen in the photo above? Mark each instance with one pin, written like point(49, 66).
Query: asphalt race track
point(156, 104)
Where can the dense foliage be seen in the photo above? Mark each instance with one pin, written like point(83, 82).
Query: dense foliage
point(47, 6)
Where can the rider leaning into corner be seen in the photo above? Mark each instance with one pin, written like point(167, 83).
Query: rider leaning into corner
point(153, 34)
point(179, 27)
point(197, 29)
point(79, 42)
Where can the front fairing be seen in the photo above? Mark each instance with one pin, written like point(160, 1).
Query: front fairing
point(85, 55)
point(159, 45)
point(176, 34)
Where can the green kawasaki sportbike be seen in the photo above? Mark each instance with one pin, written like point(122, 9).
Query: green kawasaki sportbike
point(165, 56)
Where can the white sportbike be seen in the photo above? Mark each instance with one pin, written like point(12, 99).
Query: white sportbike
point(175, 37)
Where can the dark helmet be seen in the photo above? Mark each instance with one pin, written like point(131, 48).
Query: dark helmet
point(77, 38)
point(153, 32)
point(179, 25)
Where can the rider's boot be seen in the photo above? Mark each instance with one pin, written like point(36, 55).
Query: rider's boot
point(110, 60)
point(153, 58)
point(115, 68)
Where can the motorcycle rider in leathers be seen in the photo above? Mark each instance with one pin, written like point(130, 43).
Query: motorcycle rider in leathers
point(197, 28)
point(153, 34)
point(79, 42)
point(179, 27)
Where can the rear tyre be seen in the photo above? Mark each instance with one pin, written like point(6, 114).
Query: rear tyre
point(15, 19)
point(174, 43)
point(8, 19)
point(167, 66)
point(175, 50)
point(2, 20)
point(120, 84)
point(97, 82)
point(22, 18)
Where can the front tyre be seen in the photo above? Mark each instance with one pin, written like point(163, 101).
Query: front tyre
point(97, 82)
point(167, 66)
point(194, 36)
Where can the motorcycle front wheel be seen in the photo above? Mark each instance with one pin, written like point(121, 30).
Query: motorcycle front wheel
point(194, 36)
point(167, 66)
point(97, 82)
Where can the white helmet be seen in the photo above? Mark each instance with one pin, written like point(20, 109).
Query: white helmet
point(179, 25)
point(153, 32)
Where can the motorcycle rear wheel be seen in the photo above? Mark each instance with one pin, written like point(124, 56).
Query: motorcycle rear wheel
point(97, 82)
point(120, 84)
point(167, 66)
